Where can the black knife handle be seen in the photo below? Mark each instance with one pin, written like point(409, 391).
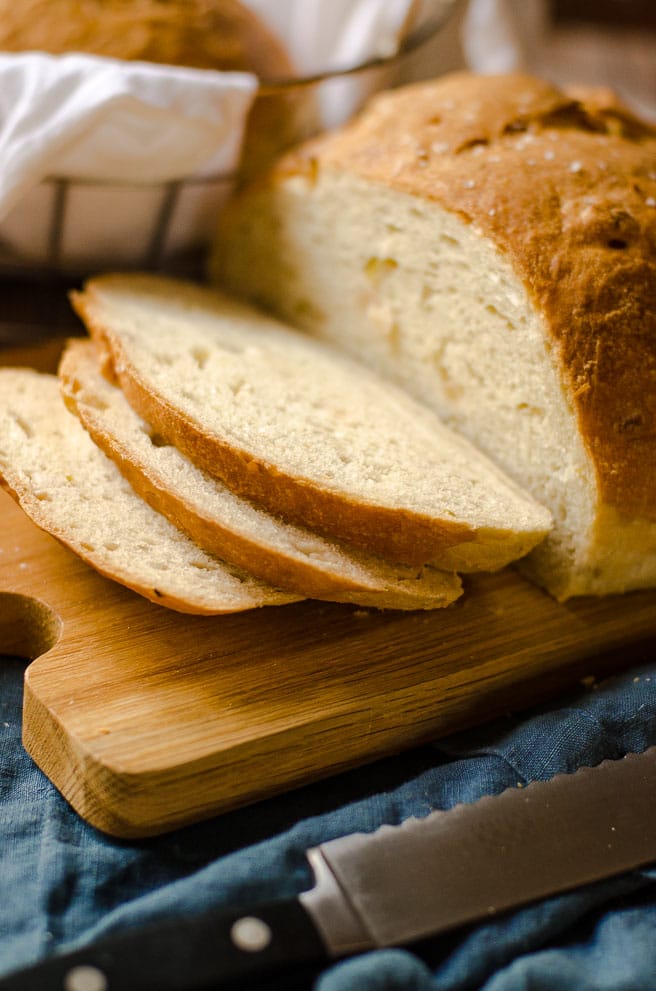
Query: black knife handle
point(213, 950)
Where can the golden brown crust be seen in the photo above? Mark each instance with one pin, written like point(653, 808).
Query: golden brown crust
point(391, 533)
point(204, 34)
point(566, 187)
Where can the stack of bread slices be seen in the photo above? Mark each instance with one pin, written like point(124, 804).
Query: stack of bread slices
point(215, 460)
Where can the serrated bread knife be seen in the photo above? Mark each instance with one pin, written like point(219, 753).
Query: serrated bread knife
point(392, 887)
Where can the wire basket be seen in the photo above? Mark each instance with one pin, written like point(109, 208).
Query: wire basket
point(75, 226)
point(71, 227)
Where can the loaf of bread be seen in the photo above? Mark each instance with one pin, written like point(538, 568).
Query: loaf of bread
point(67, 486)
point(302, 430)
point(489, 243)
point(203, 34)
point(221, 523)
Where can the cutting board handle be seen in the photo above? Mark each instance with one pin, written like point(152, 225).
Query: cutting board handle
point(28, 626)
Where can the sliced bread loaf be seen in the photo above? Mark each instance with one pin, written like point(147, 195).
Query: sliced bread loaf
point(490, 244)
point(68, 487)
point(302, 430)
point(285, 555)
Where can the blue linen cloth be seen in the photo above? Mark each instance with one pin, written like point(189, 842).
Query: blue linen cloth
point(64, 884)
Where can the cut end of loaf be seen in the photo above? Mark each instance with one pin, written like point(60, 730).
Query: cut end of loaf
point(473, 238)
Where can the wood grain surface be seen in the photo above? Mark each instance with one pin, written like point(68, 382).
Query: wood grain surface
point(146, 719)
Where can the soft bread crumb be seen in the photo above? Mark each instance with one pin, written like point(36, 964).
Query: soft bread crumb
point(93, 510)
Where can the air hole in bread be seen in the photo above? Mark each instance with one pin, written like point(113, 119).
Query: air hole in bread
point(617, 243)
point(304, 309)
point(22, 425)
point(157, 440)
point(474, 143)
point(515, 126)
point(531, 410)
point(427, 295)
point(96, 403)
point(632, 422)
point(236, 386)
point(200, 356)
point(376, 268)
point(394, 337)
point(494, 312)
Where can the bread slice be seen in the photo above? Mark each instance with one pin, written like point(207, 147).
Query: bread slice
point(285, 555)
point(301, 430)
point(67, 486)
point(489, 243)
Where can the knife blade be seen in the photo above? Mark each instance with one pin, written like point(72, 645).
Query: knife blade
point(392, 887)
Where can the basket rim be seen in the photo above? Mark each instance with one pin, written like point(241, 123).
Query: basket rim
point(415, 39)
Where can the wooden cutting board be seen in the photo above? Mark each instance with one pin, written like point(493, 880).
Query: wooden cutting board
point(147, 719)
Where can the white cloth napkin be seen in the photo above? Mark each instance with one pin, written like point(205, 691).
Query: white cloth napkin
point(96, 118)
point(110, 127)
point(329, 37)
